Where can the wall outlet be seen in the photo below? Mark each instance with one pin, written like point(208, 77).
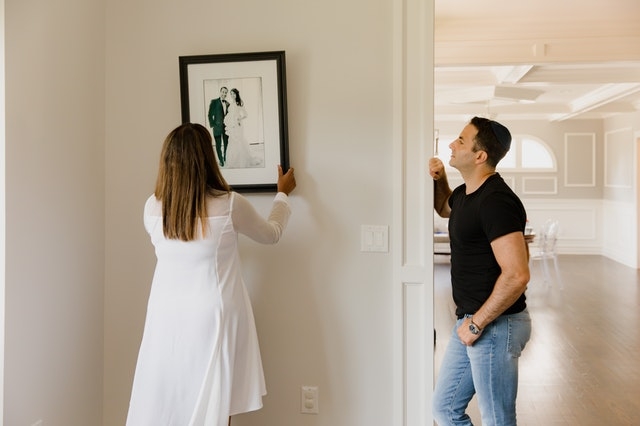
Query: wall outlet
point(309, 400)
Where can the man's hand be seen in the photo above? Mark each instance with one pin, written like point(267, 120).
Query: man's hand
point(436, 168)
point(442, 192)
point(465, 335)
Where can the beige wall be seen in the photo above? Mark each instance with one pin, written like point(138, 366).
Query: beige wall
point(81, 161)
point(2, 208)
point(55, 211)
point(322, 307)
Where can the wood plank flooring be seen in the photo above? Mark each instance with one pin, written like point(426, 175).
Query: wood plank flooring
point(582, 364)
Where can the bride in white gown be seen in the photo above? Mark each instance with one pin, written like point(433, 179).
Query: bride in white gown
point(238, 154)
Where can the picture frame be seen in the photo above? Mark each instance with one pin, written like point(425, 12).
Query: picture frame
point(250, 137)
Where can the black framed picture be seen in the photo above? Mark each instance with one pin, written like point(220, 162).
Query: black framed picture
point(241, 98)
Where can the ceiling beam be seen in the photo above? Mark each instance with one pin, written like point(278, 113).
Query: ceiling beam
point(604, 95)
point(511, 74)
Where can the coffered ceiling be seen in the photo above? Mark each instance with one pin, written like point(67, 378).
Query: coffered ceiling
point(545, 60)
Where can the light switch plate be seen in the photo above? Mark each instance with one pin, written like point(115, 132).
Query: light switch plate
point(374, 238)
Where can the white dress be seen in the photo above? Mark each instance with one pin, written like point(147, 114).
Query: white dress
point(238, 153)
point(199, 360)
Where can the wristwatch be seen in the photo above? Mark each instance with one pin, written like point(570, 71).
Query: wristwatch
point(474, 329)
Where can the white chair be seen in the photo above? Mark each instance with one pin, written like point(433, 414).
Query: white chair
point(545, 250)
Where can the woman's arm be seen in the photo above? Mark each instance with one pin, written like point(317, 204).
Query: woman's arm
point(247, 221)
point(267, 231)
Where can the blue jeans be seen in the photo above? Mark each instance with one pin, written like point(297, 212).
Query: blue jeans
point(488, 368)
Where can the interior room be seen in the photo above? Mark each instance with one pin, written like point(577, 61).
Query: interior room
point(571, 104)
point(572, 94)
point(91, 88)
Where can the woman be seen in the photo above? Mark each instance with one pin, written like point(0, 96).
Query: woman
point(238, 154)
point(199, 361)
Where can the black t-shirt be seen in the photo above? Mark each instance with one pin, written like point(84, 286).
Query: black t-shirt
point(493, 210)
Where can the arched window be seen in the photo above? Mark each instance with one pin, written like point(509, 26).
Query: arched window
point(528, 154)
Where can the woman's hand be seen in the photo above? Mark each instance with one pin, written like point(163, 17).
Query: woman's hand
point(286, 181)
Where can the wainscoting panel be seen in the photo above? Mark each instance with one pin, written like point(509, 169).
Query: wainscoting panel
point(581, 149)
point(415, 352)
point(539, 185)
point(580, 222)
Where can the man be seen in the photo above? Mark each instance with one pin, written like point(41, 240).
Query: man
point(489, 274)
point(217, 110)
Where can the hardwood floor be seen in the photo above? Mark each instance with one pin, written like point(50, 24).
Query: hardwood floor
point(582, 364)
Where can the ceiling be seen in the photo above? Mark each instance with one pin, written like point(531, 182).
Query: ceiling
point(543, 60)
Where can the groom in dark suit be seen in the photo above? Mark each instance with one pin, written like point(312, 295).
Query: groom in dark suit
point(217, 110)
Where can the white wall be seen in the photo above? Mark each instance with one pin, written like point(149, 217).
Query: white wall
point(621, 211)
point(54, 211)
point(323, 308)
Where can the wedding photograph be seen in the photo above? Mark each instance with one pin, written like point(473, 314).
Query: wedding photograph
point(241, 99)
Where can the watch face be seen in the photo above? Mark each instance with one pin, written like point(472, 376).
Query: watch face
point(474, 329)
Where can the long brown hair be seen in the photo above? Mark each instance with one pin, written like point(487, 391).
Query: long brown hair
point(188, 173)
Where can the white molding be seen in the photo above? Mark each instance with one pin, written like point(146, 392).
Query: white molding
point(567, 155)
point(415, 352)
point(412, 244)
point(526, 179)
